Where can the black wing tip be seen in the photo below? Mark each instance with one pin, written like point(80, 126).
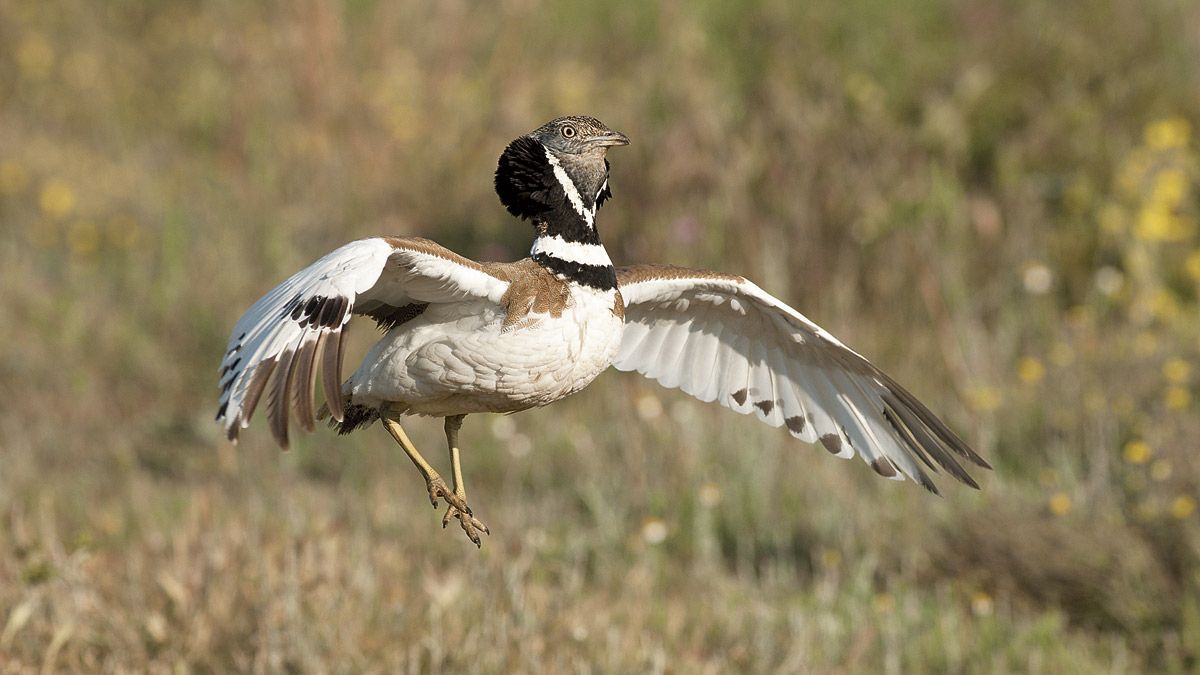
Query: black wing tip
point(921, 478)
point(928, 438)
point(968, 480)
point(961, 476)
point(902, 399)
point(929, 485)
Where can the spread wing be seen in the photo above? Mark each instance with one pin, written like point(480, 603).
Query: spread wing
point(278, 343)
point(720, 337)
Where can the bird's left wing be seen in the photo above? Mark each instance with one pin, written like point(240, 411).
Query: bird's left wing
point(720, 337)
point(278, 343)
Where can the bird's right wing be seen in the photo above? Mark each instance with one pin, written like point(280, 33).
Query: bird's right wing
point(280, 340)
point(720, 337)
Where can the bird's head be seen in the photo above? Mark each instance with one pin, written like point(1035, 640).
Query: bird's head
point(560, 166)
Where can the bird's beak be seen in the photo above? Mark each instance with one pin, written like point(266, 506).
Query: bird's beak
point(609, 138)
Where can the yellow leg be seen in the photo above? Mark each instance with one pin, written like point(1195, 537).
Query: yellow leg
point(456, 500)
point(453, 424)
point(426, 470)
point(470, 524)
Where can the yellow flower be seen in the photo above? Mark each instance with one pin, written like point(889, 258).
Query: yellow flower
point(1165, 305)
point(1137, 452)
point(1176, 370)
point(984, 398)
point(57, 199)
point(1170, 189)
point(1164, 134)
point(13, 177)
point(1192, 265)
point(1030, 370)
point(981, 603)
point(1177, 398)
point(1157, 223)
point(1183, 506)
point(1060, 503)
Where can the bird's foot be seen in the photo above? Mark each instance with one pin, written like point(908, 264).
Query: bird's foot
point(456, 507)
point(470, 524)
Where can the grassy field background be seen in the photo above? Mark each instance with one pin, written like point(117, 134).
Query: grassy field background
point(998, 202)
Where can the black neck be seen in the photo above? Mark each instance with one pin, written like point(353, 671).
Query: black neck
point(580, 245)
point(600, 277)
point(565, 222)
point(560, 197)
point(568, 246)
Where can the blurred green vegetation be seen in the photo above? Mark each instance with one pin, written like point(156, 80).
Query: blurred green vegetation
point(998, 202)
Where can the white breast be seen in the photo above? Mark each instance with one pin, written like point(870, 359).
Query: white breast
point(461, 358)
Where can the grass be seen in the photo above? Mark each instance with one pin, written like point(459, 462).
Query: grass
point(998, 203)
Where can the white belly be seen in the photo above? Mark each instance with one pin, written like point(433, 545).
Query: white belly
point(460, 358)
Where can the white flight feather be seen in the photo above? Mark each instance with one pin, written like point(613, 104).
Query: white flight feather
point(739, 339)
point(368, 271)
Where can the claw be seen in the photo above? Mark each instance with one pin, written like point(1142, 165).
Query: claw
point(456, 507)
point(470, 524)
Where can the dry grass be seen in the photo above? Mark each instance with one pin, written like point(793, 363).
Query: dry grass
point(998, 202)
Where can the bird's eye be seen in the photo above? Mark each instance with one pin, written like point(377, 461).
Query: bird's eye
point(568, 131)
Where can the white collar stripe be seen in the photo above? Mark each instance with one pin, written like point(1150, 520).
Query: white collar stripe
point(571, 251)
point(569, 187)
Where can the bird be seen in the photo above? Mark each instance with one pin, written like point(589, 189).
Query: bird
point(462, 337)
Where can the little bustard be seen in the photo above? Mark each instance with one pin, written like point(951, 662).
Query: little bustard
point(466, 337)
